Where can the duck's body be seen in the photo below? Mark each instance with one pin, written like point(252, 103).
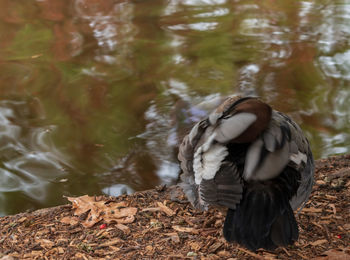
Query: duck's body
point(256, 162)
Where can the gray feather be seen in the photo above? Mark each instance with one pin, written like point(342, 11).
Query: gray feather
point(282, 143)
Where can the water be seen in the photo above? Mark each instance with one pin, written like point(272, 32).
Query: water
point(95, 95)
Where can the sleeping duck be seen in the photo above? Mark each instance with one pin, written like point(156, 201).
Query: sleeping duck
point(254, 161)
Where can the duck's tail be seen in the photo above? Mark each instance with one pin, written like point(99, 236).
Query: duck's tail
point(263, 219)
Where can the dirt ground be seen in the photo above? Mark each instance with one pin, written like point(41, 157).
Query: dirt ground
point(162, 225)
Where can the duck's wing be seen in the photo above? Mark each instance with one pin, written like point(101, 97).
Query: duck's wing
point(207, 178)
point(281, 145)
point(302, 160)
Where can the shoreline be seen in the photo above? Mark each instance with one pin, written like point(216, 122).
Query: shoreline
point(160, 224)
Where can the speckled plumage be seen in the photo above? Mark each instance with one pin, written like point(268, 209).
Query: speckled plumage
point(256, 162)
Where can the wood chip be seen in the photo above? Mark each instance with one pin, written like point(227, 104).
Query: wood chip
point(251, 253)
point(195, 246)
point(174, 237)
point(333, 208)
point(111, 242)
point(185, 229)
point(312, 210)
point(123, 228)
point(45, 243)
point(319, 242)
point(214, 247)
point(165, 209)
point(333, 254)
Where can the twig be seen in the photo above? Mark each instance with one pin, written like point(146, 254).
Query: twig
point(286, 251)
point(251, 253)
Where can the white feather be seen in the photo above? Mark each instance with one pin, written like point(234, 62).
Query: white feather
point(252, 158)
point(234, 126)
point(298, 158)
point(206, 164)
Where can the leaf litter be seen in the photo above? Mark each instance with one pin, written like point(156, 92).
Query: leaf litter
point(160, 224)
point(100, 210)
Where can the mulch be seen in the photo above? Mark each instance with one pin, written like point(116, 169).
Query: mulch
point(167, 227)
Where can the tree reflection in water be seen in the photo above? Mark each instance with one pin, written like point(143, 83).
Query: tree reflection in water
point(96, 95)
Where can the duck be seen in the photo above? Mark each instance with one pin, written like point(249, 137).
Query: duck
point(256, 162)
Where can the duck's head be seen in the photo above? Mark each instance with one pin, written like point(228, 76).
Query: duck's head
point(241, 119)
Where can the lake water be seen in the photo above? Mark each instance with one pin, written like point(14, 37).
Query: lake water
point(95, 95)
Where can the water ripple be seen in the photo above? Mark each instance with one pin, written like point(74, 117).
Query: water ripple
point(29, 160)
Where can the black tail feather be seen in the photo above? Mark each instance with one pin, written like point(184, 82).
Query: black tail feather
point(264, 218)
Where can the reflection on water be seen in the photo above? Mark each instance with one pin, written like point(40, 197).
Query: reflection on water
point(29, 160)
point(96, 95)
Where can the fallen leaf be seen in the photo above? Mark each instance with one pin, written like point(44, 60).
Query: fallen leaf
point(70, 220)
point(114, 213)
point(151, 209)
point(101, 210)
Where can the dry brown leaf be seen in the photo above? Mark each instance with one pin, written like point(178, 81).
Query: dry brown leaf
point(101, 210)
point(185, 229)
point(151, 209)
point(70, 220)
point(114, 213)
point(333, 254)
point(165, 209)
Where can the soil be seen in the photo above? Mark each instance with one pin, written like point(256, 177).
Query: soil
point(165, 226)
